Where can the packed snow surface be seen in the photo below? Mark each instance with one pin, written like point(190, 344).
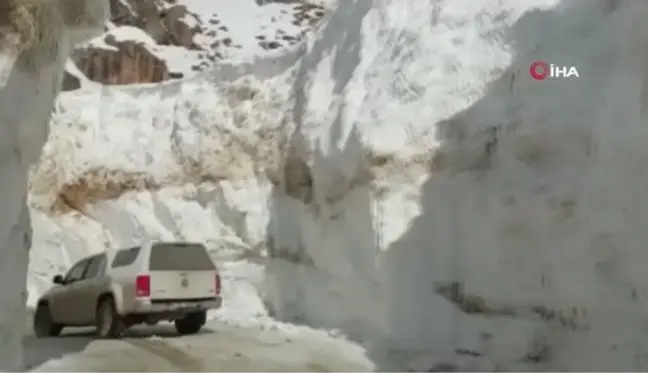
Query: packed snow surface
point(405, 181)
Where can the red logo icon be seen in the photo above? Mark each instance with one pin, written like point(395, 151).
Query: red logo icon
point(539, 70)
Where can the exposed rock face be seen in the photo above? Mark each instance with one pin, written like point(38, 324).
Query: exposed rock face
point(70, 82)
point(130, 62)
point(177, 31)
point(164, 25)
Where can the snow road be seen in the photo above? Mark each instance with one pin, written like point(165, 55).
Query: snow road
point(220, 347)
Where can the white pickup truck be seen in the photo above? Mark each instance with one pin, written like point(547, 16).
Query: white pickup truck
point(145, 284)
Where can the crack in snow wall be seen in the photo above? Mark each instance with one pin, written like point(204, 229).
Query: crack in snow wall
point(524, 243)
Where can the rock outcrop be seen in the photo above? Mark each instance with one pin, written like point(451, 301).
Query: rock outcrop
point(132, 61)
point(70, 82)
point(140, 31)
point(164, 21)
point(128, 62)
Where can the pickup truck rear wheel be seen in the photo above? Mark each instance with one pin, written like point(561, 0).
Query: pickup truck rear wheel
point(192, 323)
point(43, 324)
point(109, 323)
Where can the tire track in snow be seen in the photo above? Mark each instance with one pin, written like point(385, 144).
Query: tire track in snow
point(227, 349)
point(178, 357)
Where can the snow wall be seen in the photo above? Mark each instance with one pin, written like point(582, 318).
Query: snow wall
point(452, 204)
point(34, 50)
point(405, 181)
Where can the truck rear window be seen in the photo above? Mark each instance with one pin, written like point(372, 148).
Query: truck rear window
point(125, 257)
point(180, 257)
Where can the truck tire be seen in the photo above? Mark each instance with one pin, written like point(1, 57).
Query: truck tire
point(191, 323)
point(43, 324)
point(109, 323)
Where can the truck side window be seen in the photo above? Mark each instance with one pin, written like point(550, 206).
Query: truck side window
point(76, 272)
point(97, 267)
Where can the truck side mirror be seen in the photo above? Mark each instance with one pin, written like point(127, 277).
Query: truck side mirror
point(58, 279)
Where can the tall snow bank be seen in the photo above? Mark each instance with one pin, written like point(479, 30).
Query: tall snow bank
point(35, 44)
point(28, 91)
point(440, 201)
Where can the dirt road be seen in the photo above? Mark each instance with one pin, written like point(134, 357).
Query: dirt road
point(218, 348)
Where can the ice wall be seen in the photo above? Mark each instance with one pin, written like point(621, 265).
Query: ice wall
point(35, 46)
point(438, 200)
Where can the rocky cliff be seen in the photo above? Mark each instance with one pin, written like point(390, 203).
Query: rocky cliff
point(141, 34)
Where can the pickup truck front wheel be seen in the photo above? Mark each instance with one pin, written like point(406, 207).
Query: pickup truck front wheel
point(109, 323)
point(44, 325)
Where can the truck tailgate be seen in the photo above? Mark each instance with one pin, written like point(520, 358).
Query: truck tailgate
point(182, 285)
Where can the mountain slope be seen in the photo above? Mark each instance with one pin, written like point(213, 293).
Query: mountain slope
point(150, 41)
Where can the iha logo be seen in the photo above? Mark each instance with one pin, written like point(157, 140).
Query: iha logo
point(541, 70)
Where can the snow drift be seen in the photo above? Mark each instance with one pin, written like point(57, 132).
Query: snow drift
point(408, 181)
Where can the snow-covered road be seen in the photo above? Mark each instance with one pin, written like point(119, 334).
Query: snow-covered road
point(220, 347)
